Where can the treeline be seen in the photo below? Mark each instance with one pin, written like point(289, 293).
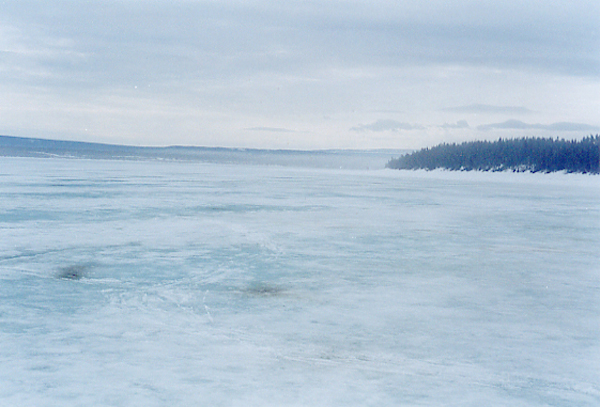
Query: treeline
point(523, 154)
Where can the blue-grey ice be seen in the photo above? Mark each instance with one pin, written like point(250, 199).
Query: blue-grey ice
point(144, 283)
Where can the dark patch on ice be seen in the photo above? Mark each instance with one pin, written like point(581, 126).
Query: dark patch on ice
point(74, 272)
point(264, 290)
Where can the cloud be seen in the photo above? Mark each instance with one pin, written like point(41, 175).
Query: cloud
point(212, 63)
point(519, 125)
point(566, 126)
point(461, 124)
point(118, 42)
point(386, 111)
point(386, 125)
point(480, 108)
point(271, 129)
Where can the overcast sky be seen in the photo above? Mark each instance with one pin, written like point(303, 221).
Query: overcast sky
point(299, 74)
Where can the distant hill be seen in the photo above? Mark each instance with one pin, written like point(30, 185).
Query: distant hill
point(33, 147)
point(523, 154)
point(347, 159)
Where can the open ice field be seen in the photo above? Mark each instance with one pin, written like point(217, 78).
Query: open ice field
point(185, 284)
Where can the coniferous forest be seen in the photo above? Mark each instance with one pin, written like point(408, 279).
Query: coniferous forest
point(522, 154)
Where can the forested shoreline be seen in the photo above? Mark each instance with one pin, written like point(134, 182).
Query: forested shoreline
point(521, 154)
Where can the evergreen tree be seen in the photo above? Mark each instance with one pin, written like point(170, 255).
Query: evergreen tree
point(522, 154)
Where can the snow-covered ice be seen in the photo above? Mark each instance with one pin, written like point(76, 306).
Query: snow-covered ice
point(144, 283)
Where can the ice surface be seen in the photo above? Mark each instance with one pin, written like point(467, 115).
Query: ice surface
point(158, 283)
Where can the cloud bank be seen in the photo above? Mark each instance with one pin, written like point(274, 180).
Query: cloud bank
point(481, 108)
point(271, 129)
point(386, 125)
point(519, 125)
point(461, 124)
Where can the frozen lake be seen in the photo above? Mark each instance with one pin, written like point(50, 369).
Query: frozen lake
point(144, 283)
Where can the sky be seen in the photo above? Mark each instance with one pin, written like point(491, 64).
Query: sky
point(287, 74)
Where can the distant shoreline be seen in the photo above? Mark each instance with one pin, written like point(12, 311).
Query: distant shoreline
point(30, 144)
point(517, 155)
point(11, 146)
